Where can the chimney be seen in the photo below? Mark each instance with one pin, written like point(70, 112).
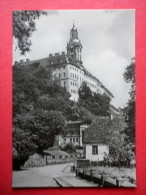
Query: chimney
point(57, 54)
point(16, 62)
point(50, 55)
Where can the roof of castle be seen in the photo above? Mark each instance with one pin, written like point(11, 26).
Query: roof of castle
point(51, 60)
point(101, 128)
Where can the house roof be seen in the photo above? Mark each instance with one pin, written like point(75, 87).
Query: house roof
point(101, 127)
point(55, 152)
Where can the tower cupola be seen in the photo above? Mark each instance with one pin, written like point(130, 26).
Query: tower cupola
point(74, 47)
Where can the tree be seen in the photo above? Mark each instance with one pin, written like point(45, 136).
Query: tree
point(70, 147)
point(41, 126)
point(23, 147)
point(84, 91)
point(121, 152)
point(129, 76)
point(24, 24)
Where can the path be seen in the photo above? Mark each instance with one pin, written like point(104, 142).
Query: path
point(41, 176)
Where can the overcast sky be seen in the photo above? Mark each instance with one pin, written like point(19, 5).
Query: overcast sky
point(107, 37)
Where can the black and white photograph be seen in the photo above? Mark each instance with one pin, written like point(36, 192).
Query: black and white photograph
point(74, 98)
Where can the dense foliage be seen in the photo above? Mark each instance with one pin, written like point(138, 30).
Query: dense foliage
point(129, 76)
point(69, 147)
point(38, 110)
point(23, 26)
point(96, 103)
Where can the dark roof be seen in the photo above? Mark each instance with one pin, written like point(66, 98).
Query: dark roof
point(51, 60)
point(55, 152)
point(101, 127)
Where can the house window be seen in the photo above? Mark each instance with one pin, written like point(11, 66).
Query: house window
point(73, 140)
point(94, 149)
point(59, 75)
point(70, 139)
point(64, 83)
point(77, 139)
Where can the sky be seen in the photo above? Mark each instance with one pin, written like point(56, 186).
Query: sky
point(107, 37)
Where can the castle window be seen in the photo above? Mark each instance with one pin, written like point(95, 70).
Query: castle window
point(64, 74)
point(73, 75)
point(54, 69)
point(70, 139)
point(73, 140)
point(77, 139)
point(61, 61)
point(71, 82)
point(59, 75)
point(70, 67)
point(75, 84)
point(51, 62)
point(70, 74)
point(64, 83)
point(77, 76)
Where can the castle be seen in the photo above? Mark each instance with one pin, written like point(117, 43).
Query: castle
point(68, 69)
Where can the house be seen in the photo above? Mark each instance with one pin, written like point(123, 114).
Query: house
point(95, 140)
point(68, 70)
point(73, 132)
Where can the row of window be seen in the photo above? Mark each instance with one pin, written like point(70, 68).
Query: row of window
point(58, 67)
point(90, 84)
point(76, 69)
point(73, 83)
point(72, 75)
point(73, 140)
point(73, 91)
point(59, 75)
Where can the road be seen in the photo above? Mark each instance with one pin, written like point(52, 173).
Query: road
point(40, 176)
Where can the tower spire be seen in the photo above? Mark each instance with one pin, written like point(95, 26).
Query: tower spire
point(73, 25)
point(74, 46)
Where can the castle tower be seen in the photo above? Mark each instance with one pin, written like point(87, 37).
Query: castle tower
point(74, 47)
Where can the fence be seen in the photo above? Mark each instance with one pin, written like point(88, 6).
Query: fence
point(61, 159)
point(103, 180)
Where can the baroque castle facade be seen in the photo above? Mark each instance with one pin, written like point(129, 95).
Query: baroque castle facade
point(68, 69)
